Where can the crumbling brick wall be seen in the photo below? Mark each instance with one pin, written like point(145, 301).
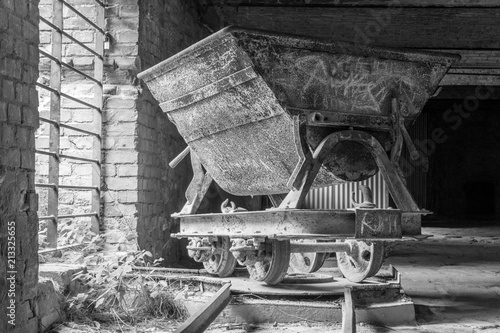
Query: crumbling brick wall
point(120, 114)
point(139, 192)
point(18, 121)
point(165, 28)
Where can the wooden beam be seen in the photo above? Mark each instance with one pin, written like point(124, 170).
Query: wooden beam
point(202, 318)
point(356, 3)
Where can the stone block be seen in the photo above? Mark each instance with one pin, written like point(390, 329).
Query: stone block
point(14, 114)
point(128, 197)
point(15, 25)
point(128, 170)
point(4, 19)
point(121, 157)
point(119, 115)
point(119, 102)
point(83, 115)
point(82, 169)
point(3, 111)
point(12, 158)
point(82, 142)
point(34, 55)
point(7, 44)
point(129, 11)
point(125, 142)
point(30, 117)
point(28, 159)
point(121, 128)
point(30, 31)
point(62, 274)
point(128, 183)
point(84, 36)
point(8, 92)
point(127, 37)
point(108, 170)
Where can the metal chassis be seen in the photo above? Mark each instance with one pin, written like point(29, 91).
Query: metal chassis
point(288, 221)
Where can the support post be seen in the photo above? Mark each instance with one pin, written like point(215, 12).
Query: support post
point(97, 121)
point(348, 312)
point(55, 116)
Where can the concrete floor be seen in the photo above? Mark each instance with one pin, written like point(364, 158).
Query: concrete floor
point(453, 278)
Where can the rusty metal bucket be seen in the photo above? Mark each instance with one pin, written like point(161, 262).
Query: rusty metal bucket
point(242, 98)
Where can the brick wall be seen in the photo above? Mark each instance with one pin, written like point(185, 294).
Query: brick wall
point(121, 159)
point(139, 192)
point(119, 154)
point(166, 27)
point(18, 121)
point(72, 172)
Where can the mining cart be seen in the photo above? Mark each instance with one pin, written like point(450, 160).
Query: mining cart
point(273, 114)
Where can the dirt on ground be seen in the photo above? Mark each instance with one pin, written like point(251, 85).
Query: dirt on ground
point(452, 277)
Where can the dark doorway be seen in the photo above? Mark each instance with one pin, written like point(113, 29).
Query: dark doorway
point(480, 200)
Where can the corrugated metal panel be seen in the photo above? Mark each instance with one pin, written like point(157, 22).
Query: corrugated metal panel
point(340, 196)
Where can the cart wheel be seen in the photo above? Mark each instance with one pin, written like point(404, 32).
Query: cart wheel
point(272, 269)
point(364, 260)
point(221, 262)
point(307, 262)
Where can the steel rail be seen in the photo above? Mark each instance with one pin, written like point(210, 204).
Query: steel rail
point(68, 216)
point(48, 55)
point(49, 217)
point(50, 121)
point(77, 215)
point(75, 187)
point(81, 102)
point(45, 152)
point(79, 187)
point(46, 185)
point(81, 130)
point(72, 157)
point(48, 250)
point(44, 86)
point(100, 3)
point(69, 127)
point(65, 34)
point(73, 9)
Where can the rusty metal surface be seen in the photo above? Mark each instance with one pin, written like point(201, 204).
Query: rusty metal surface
point(373, 223)
point(274, 221)
point(359, 223)
point(314, 74)
point(234, 95)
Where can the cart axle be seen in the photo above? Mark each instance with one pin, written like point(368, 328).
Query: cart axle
point(320, 247)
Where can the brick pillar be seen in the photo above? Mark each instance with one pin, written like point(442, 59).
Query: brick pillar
point(140, 190)
point(166, 28)
point(18, 201)
point(120, 116)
